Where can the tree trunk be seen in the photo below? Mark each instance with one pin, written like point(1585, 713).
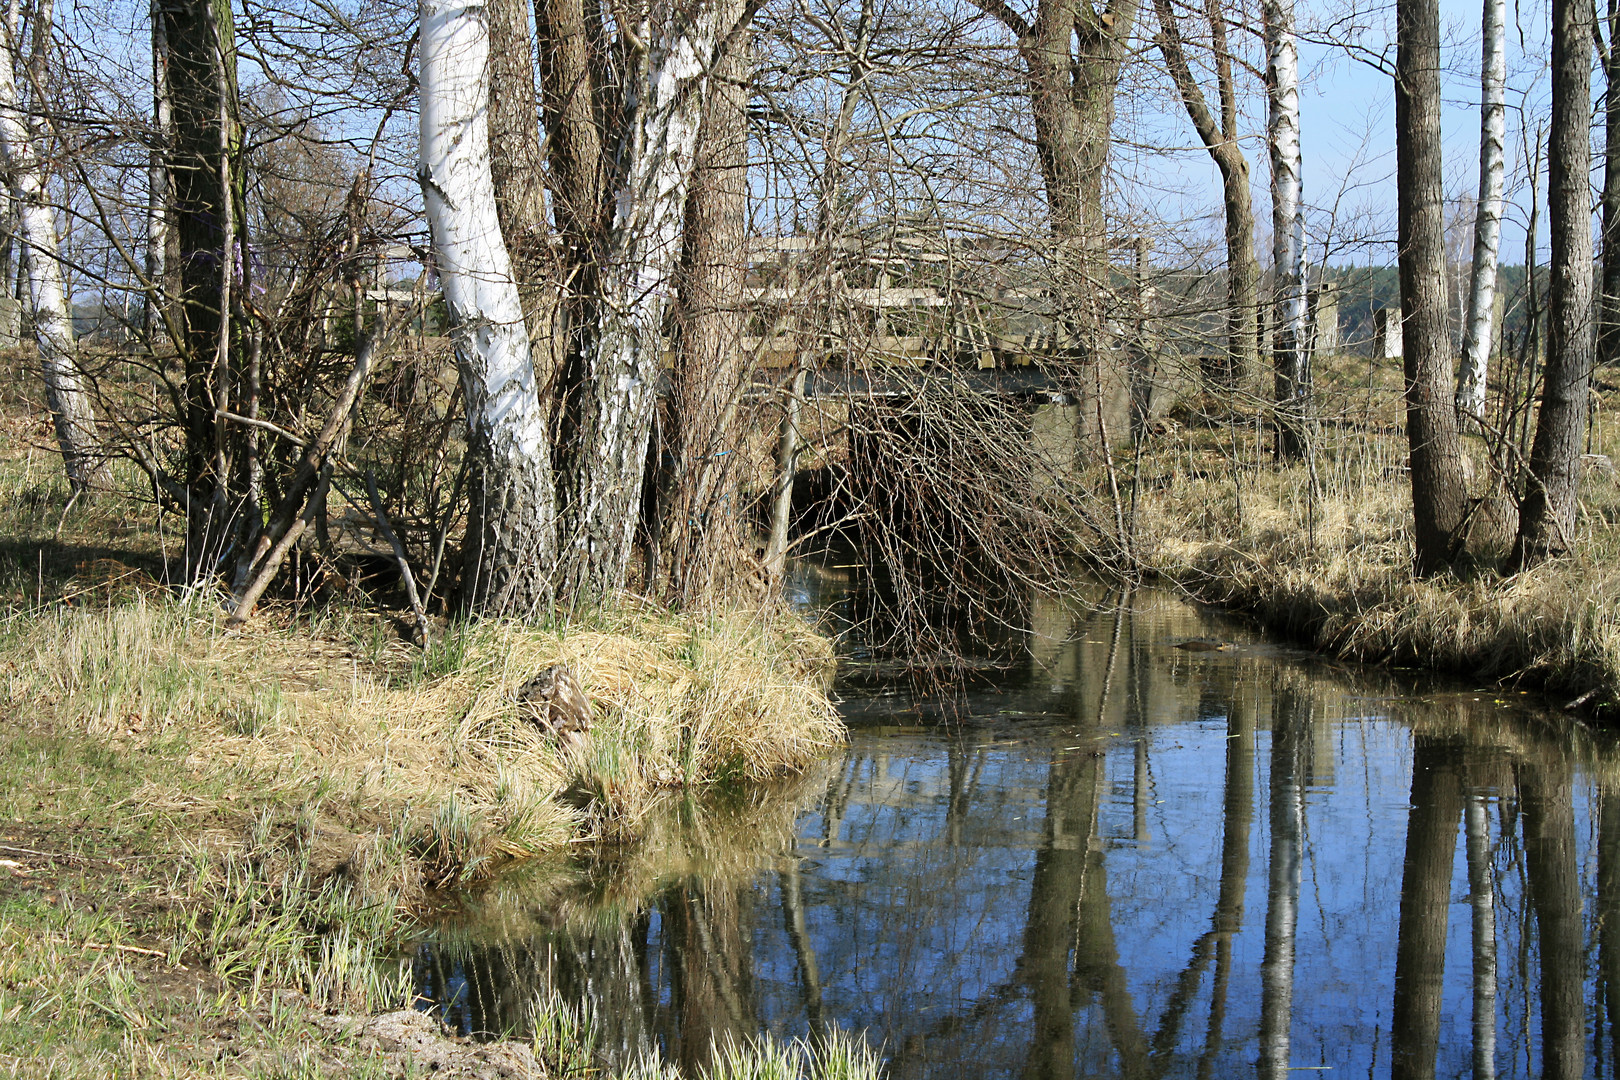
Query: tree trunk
point(668, 90)
point(10, 254)
point(1608, 339)
point(581, 113)
point(1608, 913)
point(1552, 865)
point(1481, 329)
point(1420, 950)
point(1289, 358)
point(1242, 272)
point(1547, 514)
point(578, 115)
point(1482, 907)
point(201, 57)
point(517, 168)
point(65, 391)
point(787, 456)
point(1431, 415)
point(1237, 815)
point(703, 522)
point(1290, 736)
point(510, 548)
point(1072, 55)
point(157, 185)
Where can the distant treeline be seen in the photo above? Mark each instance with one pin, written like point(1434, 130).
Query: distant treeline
point(1363, 290)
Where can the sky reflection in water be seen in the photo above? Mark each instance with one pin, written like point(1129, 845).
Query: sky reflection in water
point(1127, 859)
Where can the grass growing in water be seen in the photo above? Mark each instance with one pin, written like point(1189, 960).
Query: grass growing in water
point(834, 1056)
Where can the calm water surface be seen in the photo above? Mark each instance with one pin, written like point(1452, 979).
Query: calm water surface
point(1121, 858)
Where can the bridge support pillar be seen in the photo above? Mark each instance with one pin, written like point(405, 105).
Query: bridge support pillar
point(1054, 445)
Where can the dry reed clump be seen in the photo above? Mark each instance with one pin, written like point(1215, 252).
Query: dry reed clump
point(404, 772)
point(1335, 571)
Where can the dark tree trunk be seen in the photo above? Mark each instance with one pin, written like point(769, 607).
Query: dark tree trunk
point(1608, 913)
point(1237, 816)
point(702, 526)
point(1072, 55)
point(581, 112)
point(1420, 951)
point(199, 36)
point(1547, 795)
point(1547, 514)
point(1431, 418)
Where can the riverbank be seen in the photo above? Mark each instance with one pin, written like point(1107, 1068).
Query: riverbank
point(204, 824)
point(218, 844)
point(1321, 552)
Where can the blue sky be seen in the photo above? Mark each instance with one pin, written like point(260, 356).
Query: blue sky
point(1347, 129)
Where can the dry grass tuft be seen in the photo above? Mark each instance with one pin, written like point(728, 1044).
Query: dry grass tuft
point(1327, 559)
point(414, 767)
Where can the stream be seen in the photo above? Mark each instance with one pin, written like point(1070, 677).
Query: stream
point(1132, 854)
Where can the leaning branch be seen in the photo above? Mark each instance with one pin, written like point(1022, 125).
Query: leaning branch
point(309, 482)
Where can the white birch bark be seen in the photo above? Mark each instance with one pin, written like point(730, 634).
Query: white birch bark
point(1482, 905)
point(1282, 893)
point(666, 100)
point(1479, 332)
point(65, 390)
point(157, 180)
point(511, 530)
point(10, 254)
point(1287, 215)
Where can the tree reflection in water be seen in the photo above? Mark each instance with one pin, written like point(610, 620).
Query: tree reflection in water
point(1061, 875)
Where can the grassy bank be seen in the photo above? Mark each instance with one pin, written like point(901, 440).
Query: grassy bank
point(216, 844)
point(1322, 551)
point(210, 830)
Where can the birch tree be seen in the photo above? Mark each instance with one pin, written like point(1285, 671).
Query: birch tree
point(1289, 358)
point(1290, 744)
point(66, 394)
point(665, 89)
point(157, 180)
point(1547, 514)
point(1480, 330)
point(510, 547)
